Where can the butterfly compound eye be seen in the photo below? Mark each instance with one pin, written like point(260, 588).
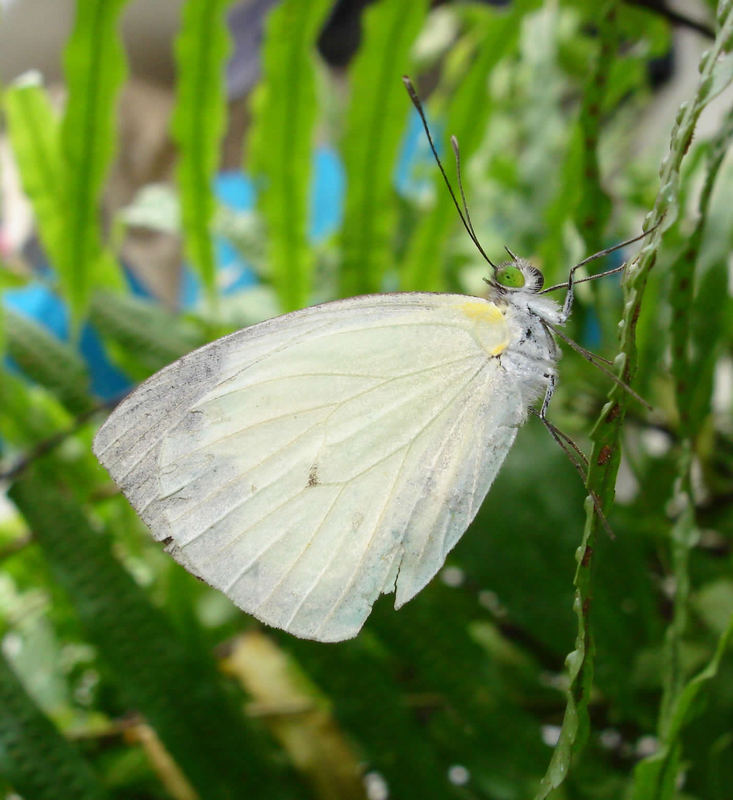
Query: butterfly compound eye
point(510, 276)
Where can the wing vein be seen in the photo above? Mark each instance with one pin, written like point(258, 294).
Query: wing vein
point(355, 572)
point(446, 441)
point(311, 538)
point(280, 450)
point(385, 379)
point(375, 527)
point(271, 544)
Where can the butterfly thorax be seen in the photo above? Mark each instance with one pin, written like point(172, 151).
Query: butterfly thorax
point(531, 355)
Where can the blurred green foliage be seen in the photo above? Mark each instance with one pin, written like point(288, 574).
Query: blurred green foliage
point(109, 684)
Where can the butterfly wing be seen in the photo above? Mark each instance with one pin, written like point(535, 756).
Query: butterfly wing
point(309, 463)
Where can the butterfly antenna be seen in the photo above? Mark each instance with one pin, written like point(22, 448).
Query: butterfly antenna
point(472, 231)
point(580, 462)
point(597, 363)
point(599, 254)
point(462, 213)
point(587, 278)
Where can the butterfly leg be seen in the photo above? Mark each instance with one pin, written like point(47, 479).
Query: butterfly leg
point(548, 396)
point(575, 455)
point(567, 306)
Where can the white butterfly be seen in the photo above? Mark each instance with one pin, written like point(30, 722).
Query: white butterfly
point(307, 464)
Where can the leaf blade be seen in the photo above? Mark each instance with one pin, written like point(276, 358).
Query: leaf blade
point(281, 140)
point(201, 48)
point(94, 68)
point(374, 126)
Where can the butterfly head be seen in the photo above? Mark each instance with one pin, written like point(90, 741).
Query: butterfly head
point(517, 275)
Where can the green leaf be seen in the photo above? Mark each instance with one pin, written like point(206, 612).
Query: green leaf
point(655, 776)
point(605, 457)
point(27, 413)
point(10, 279)
point(94, 67)
point(198, 125)
point(712, 307)
point(593, 208)
point(467, 113)
point(34, 136)
point(284, 113)
point(53, 364)
point(375, 125)
point(179, 693)
point(35, 758)
point(373, 712)
point(144, 336)
point(703, 311)
point(579, 665)
point(581, 198)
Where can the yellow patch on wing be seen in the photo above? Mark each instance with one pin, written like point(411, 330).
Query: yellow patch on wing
point(482, 311)
point(489, 325)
